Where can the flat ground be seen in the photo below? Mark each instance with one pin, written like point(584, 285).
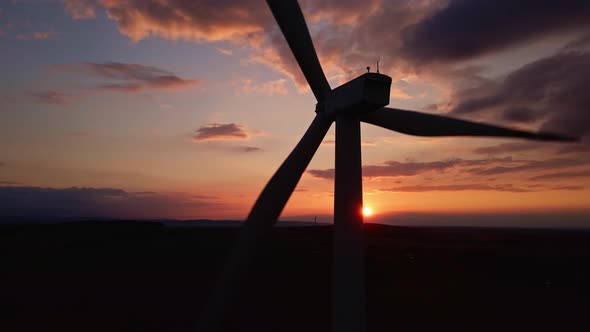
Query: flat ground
point(143, 277)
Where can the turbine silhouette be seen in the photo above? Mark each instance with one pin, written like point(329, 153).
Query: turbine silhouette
point(361, 99)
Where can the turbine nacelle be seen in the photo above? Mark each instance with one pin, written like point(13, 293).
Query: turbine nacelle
point(364, 94)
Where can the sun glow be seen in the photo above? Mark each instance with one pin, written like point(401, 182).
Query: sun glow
point(367, 211)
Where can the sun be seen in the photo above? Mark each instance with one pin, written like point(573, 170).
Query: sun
point(367, 211)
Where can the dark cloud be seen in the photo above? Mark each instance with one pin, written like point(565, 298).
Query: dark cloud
point(568, 188)
point(530, 165)
point(51, 97)
point(574, 148)
point(128, 77)
point(395, 168)
point(553, 90)
point(509, 148)
point(458, 187)
point(159, 83)
point(248, 148)
point(322, 173)
point(562, 175)
point(36, 202)
point(467, 28)
point(469, 167)
point(228, 131)
point(578, 44)
point(478, 187)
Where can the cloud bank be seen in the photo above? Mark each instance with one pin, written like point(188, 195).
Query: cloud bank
point(37, 202)
point(552, 90)
point(466, 29)
point(467, 174)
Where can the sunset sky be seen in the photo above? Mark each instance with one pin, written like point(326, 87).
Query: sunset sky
point(184, 109)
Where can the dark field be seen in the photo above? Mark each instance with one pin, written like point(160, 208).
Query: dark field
point(112, 277)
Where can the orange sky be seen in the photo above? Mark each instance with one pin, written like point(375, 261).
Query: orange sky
point(187, 113)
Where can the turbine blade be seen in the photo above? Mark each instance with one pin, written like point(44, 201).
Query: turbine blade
point(275, 195)
point(263, 216)
point(423, 124)
point(292, 23)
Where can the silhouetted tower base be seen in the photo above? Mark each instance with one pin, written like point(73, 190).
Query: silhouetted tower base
point(348, 288)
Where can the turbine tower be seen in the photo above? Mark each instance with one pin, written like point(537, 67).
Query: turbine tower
point(362, 99)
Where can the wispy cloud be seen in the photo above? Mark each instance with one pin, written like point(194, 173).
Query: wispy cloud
point(457, 187)
point(34, 35)
point(128, 77)
point(478, 187)
point(469, 170)
point(562, 175)
point(568, 188)
point(247, 148)
point(394, 168)
point(228, 132)
point(51, 97)
point(250, 86)
point(510, 148)
point(81, 9)
point(530, 165)
point(224, 51)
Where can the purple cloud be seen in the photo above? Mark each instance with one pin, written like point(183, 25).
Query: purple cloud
point(37, 202)
point(562, 175)
point(395, 168)
point(248, 148)
point(458, 187)
point(529, 165)
point(51, 97)
point(552, 90)
point(464, 28)
point(129, 77)
point(228, 131)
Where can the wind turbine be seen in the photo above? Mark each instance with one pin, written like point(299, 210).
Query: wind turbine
point(361, 99)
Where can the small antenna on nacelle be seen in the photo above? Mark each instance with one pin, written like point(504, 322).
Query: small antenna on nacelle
point(368, 69)
point(378, 64)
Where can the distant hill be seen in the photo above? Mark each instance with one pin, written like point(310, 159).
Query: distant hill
point(172, 223)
